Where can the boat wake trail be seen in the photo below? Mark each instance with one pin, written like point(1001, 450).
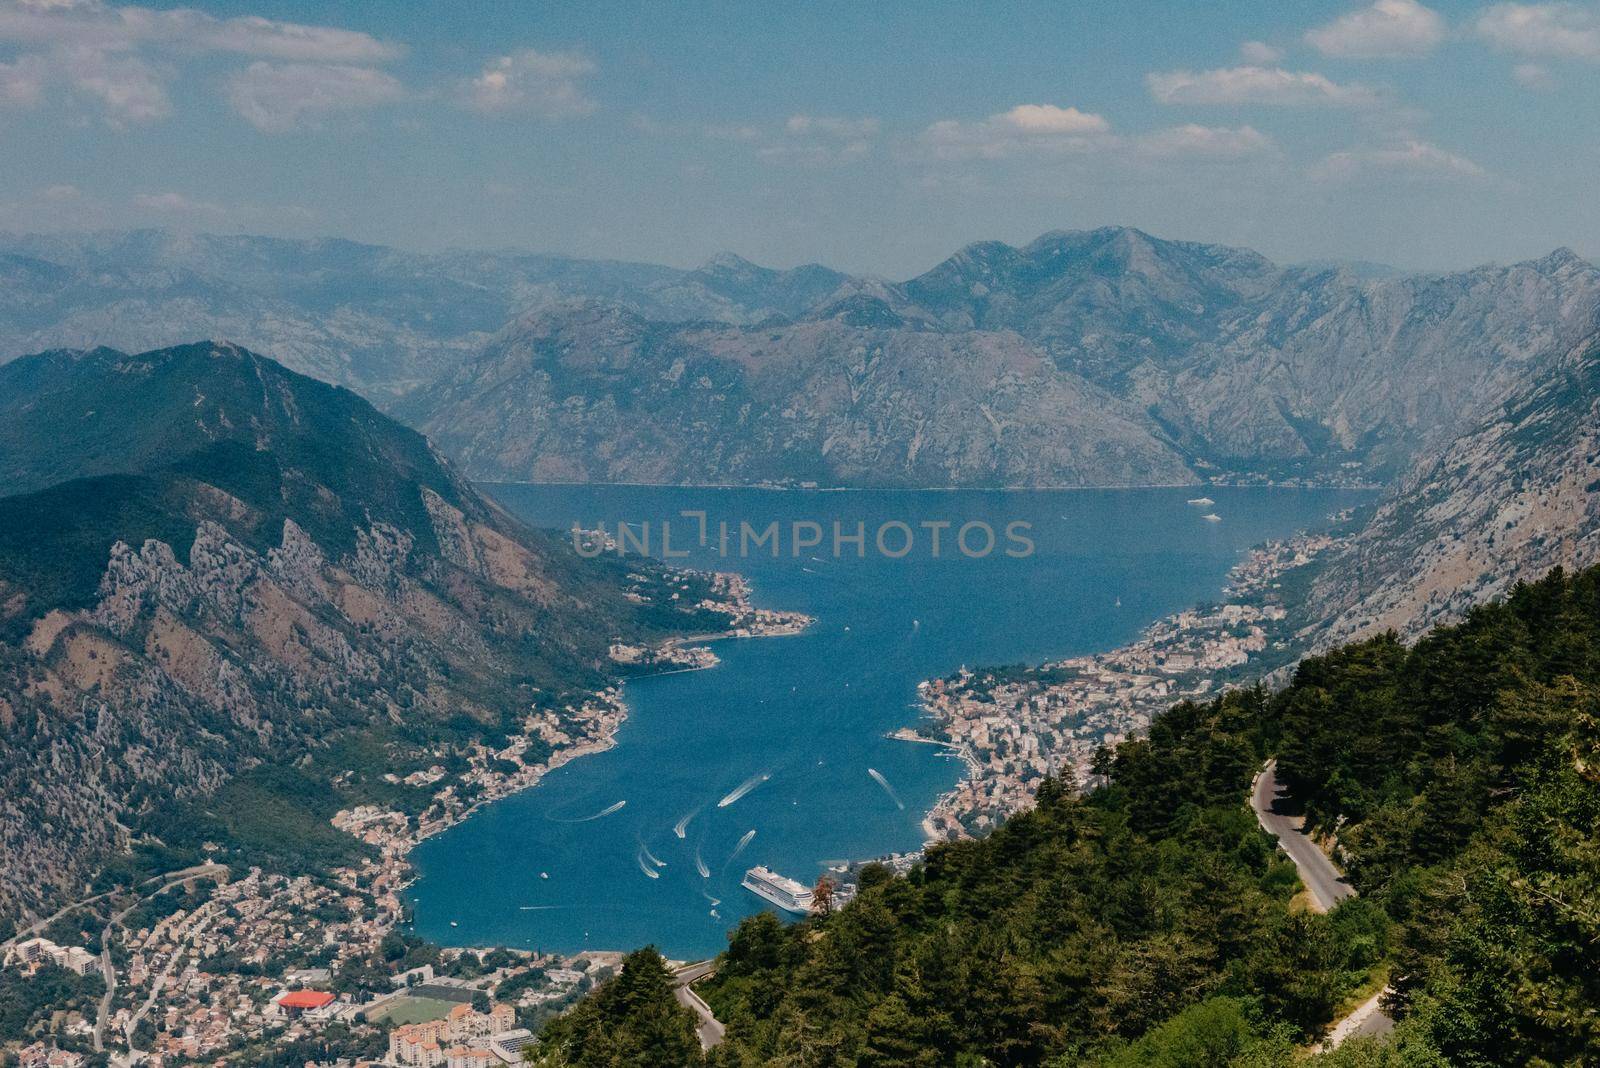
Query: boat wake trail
point(700, 865)
point(646, 868)
point(881, 781)
point(644, 851)
point(608, 810)
point(743, 788)
point(749, 836)
point(681, 828)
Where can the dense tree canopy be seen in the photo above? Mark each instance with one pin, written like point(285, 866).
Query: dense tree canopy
point(1151, 922)
point(632, 1021)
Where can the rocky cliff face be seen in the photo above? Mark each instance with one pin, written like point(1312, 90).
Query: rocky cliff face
point(1099, 358)
point(1505, 502)
point(280, 565)
point(1327, 367)
point(593, 393)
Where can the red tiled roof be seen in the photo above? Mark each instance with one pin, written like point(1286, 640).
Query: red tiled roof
point(305, 999)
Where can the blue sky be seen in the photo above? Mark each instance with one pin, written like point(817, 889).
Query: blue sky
point(872, 137)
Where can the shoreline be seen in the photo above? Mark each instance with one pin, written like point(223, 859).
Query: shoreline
point(1050, 718)
point(605, 709)
point(1002, 488)
point(953, 815)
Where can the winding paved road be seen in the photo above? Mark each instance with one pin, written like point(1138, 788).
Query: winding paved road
point(1325, 884)
point(711, 1031)
point(1326, 887)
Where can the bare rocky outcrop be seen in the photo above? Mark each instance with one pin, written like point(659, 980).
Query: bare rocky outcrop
point(1505, 502)
point(1095, 358)
point(286, 570)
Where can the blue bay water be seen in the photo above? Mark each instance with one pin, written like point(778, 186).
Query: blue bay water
point(803, 718)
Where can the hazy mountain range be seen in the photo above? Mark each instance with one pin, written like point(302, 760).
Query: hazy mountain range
point(378, 320)
point(1105, 357)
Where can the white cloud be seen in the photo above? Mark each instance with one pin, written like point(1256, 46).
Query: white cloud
point(548, 84)
point(1260, 54)
point(1193, 141)
point(1415, 159)
point(1255, 85)
point(22, 83)
point(277, 98)
point(1389, 29)
point(127, 89)
point(120, 58)
point(99, 26)
point(820, 140)
point(1049, 120)
point(1533, 76)
point(1025, 128)
point(1552, 31)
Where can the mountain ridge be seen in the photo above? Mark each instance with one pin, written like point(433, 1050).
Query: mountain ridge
point(1506, 502)
point(245, 566)
point(1192, 361)
point(1200, 356)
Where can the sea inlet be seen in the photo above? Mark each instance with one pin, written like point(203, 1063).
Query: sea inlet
point(770, 757)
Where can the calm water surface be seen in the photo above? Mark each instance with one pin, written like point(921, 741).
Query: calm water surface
point(804, 718)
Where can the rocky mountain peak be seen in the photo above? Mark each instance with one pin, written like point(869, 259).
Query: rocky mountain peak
point(222, 563)
point(1562, 259)
point(729, 263)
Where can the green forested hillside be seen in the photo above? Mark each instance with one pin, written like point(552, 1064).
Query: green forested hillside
point(233, 600)
point(1151, 922)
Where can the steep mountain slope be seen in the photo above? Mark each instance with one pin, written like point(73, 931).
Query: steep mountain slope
point(1006, 365)
point(593, 393)
point(1261, 368)
point(376, 319)
point(1332, 368)
point(1192, 360)
point(230, 564)
point(1101, 301)
point(1506, 502)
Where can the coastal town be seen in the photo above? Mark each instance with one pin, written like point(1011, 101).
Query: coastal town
point(1011, 728)
point(225, 967)
point(216, 966)
point(221, 971)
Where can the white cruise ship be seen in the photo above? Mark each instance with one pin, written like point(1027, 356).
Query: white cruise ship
point(779, 890)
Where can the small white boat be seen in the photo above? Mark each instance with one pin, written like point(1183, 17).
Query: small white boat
point(1202, 502)
point(544, 875)
point(453, 923)
point(1212, 517)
